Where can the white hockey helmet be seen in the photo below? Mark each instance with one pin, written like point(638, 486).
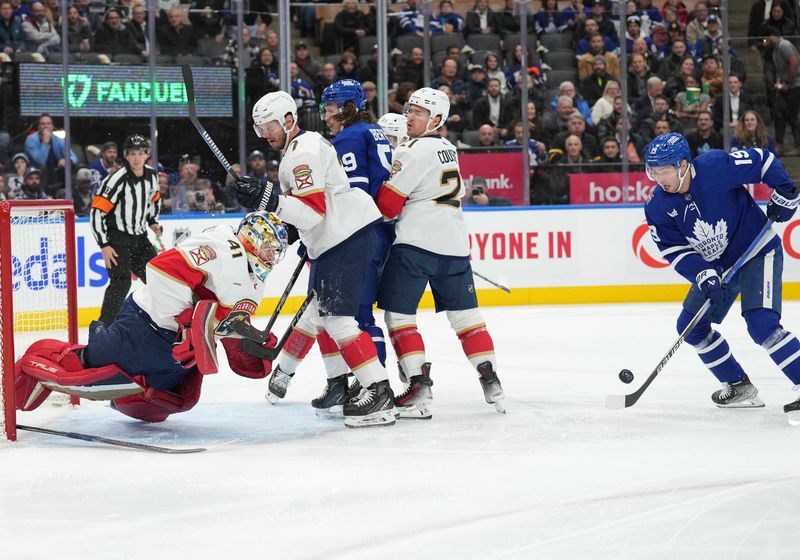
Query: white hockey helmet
point(394, 125)
point(274, 107)
point(435, 101)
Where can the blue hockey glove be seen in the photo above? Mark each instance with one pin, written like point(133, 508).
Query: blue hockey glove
point(709, 282)
point(256, 193)
point(782, 206)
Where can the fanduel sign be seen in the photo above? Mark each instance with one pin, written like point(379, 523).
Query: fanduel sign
point(122, 91)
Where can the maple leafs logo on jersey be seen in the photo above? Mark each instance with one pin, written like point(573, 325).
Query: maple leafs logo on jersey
point(202, 255)
point(710, 241)
point(302, 174)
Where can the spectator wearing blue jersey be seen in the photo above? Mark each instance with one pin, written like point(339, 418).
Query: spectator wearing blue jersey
point(573, 15)
point(447, 21)
point(411, 21)
point(606, 26)
point(547, 19)
point(646, 8)
point(751, 132)
point(366, 156)
point(12, 37)
point(302, 91)
point(703, 220)
point(590, 29)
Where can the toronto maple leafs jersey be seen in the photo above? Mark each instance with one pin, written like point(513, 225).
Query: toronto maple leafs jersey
point(713, 223)
point(366, 156)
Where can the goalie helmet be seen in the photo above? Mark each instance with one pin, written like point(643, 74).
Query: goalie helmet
point(264, 238)
point(435, 101)
point(274, 107)
point(394, 125)
point(343, 91)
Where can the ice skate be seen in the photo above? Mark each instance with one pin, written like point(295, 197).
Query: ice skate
point(792, 411)
point(492, 390)
point(332, 400)
point(355, 390)
point(278, 384)
point(741, 394)
point(415, 401)
point(374, 407)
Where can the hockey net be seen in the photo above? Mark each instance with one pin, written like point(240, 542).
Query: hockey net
point(38, 290)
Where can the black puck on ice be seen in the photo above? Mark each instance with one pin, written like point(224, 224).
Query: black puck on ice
point(626, 376)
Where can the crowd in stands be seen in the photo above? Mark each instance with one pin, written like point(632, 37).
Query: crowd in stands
point(572, 70)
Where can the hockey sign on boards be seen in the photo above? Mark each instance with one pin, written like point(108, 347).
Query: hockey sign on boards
point(545, 255)
point(604, 188)
point(502, 171)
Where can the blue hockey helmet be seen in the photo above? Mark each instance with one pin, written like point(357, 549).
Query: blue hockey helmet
point(343, 91)
point(667, 150)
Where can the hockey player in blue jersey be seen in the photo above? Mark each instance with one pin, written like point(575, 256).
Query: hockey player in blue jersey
point(703, 219)
point(366, 156)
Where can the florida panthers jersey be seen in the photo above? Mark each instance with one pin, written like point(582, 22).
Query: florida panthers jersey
point(425, 172)
point(713, 223)
point(366, 156)
point(319, 201)
point(212, 265)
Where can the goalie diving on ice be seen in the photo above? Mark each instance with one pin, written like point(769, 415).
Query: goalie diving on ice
point(151, 360)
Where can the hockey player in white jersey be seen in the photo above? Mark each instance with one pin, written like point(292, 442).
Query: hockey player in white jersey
point(151, 360)
point(424, 192)
point(335, 222)
point(395, 128)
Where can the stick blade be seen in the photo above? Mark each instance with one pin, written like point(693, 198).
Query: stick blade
point(616, 402)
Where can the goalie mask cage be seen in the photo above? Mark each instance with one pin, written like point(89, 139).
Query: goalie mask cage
point(38, 286)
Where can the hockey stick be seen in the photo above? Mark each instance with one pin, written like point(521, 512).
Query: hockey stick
point(492, 282)
point(254, 338)
point(188, 82)
point(108, 441)
point(624, 401)
point(297, 270)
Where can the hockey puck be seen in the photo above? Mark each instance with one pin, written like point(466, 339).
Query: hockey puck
point(626, 376)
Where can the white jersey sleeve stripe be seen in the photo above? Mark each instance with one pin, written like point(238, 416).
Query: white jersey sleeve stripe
point(766, 165)
point(675, 249)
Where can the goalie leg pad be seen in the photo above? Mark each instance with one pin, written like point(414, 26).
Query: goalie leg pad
point(56, 366)
point(153, 405)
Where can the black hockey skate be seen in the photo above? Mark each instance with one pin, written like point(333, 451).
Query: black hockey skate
point(278, 384)
point(355, 390)
point(333, 397)
point(373, 407)
point(792, 411)
point(415, 401)
point(741, 394)
point(492, 390)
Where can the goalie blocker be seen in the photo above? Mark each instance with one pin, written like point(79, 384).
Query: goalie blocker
point(52, 365)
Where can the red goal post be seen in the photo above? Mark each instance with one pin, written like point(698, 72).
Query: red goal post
point(38, 286)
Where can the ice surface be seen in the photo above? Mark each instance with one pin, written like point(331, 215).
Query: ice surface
point(558, 477)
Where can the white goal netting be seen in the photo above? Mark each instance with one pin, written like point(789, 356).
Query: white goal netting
point(34, 283)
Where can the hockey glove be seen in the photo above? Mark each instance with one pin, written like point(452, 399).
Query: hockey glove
point(256, 193)
point(292, 234)
point(782, 205)
point(709, 282)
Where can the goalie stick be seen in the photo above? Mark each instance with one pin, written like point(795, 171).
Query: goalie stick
point(109, 441)
point(625, 401)
point(188, 82)
point(253, 338)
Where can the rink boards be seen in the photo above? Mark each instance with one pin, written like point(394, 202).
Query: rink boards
point(548, 255)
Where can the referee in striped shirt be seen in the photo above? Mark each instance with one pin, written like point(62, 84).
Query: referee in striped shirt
point(126, 204)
